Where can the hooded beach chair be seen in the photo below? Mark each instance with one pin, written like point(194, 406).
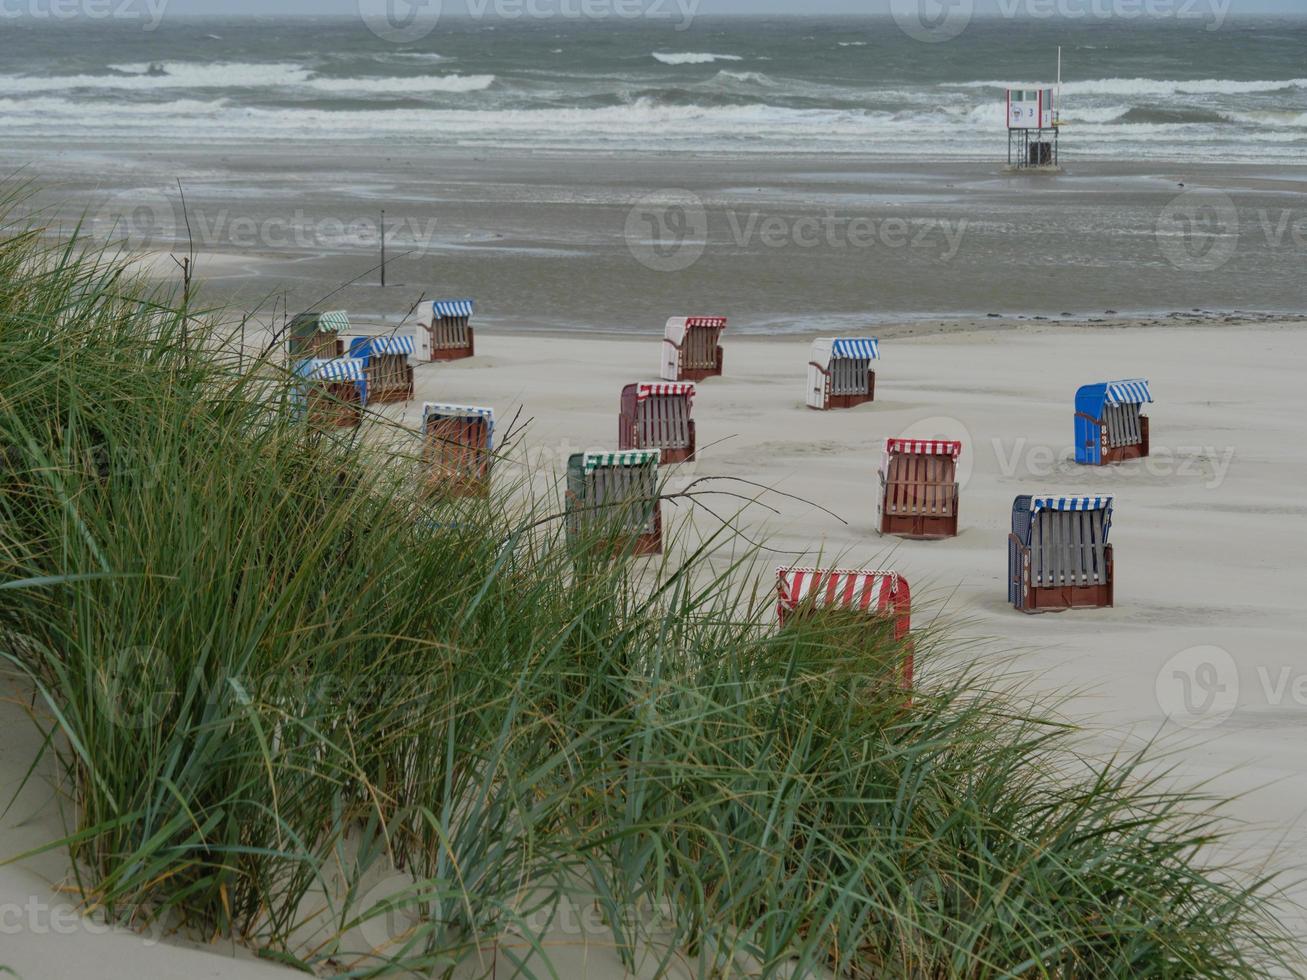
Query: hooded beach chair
point(385, 360)
point(840, 373)
point(458, 443)
point(612, 498)
point(317, 335)
point(333, 392)
point(881, 594)
point(656, 415)
point(691, 348)
point(1109, 425)
point(919, 488)
point(1058, 555)
point(444, 331)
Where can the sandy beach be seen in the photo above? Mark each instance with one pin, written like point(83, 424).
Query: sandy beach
point(1208, 620)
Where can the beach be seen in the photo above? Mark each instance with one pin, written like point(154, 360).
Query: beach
point(1201, 653)
point(582, 181)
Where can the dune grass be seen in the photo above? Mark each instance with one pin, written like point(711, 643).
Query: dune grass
point(280, 684)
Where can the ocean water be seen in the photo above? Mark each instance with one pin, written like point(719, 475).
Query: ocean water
point(1132, 89)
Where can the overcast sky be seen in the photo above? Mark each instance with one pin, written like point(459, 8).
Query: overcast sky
point(847, 7)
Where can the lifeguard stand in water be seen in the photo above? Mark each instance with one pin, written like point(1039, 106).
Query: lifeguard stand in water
point(1032, 125)
point(1032, 128)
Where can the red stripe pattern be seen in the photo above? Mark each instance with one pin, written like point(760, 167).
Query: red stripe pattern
point(667, 388)
point(924, 447)
point(861, 591)
point(715, 322)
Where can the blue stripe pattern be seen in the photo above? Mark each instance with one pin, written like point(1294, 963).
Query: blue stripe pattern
point(340, 369)
point(452, 307)
point(391, 345)
point(865, 348)
point(1129, 392)
point(1048, 502)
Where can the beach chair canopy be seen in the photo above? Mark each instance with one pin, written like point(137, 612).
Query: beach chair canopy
point(1093, 399)
point(365, 347)
point(335, 321)
point(336, 369)
point(631, 457)
point(678, 326)
point(856, 590)
point(646, 390)
point(827, 349)
point(442, 308)
point(435, 410)
point(924, 447)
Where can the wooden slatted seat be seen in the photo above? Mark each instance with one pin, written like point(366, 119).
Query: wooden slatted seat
point(840, 374)
point(390, 376)
point(691, 348)
point(316, 336)
point(1110, 426)
point(332, 392)
point(656, 415)
point(918, 488)
point(1058, 553)
point(808, 591)
point(444, 331)
point(458, 443)
point(612, 501)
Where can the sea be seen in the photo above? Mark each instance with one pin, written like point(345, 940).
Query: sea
point(1131, 88)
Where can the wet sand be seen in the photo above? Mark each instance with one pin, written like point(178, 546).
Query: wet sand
point(795, 244)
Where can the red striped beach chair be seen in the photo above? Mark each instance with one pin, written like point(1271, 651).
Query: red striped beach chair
point(1109, 425)
point(317, 336)
point(1058, 555)
point(840, 373)
point(691, 348)
point(444, 331)
point(458, 443)
point(612, 501)
point(919, 488)
point(656, 415)
point(805, 591)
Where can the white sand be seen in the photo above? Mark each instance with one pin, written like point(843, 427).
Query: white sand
point(1208, 538)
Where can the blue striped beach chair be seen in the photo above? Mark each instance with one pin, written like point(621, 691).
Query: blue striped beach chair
point(444, 331)
point(840, 373)
point(458, 443)
point(612, 501)
point(385, 361)
point(332, 392)
point(1110, 427)
point(1058, 553)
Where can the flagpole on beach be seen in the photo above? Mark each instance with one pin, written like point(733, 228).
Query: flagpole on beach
point(383, 242)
